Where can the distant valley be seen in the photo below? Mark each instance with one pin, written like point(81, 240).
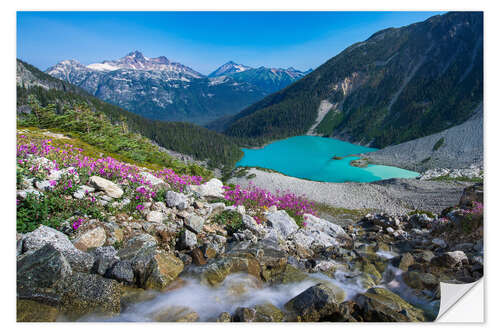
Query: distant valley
point(160, 89)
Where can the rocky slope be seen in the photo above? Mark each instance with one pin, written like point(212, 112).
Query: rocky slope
point(158, 88)
point(187, 247)
point(398, 85)
point(457, 147)
point(394, 196)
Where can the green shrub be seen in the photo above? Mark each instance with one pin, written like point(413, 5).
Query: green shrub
point(52, 209)
point(36, 210)
point(232, 220)
point(424, 212)
point(438, 144)
point(299, 219)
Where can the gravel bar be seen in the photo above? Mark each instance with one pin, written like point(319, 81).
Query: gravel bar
point(394, 196)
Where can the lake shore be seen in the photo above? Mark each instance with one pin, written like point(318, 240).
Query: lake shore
point(394, 196)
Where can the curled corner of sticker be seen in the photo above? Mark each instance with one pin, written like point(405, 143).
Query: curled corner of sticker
point(456, 306)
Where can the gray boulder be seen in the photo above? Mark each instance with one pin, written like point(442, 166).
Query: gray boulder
point(194, 223)
point(244, 315)
point(111, 189)
point(282, 223)
point(122, 271)
point(43, 185)
point(250, 224)
point(105, 258)
point(212, 188)
point(155, 216)
point(316, 303)
point(178, 200)
point(83, 293)
point(451, 259)
point(153, 268)
point(79, 260)
point(317, 234)
point(188, 240)
point(152, 179)
point(41, 268)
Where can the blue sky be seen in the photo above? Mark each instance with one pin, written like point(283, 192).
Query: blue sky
point(200, 40)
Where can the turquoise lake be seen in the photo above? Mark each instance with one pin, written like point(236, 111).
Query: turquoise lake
point(310, 157)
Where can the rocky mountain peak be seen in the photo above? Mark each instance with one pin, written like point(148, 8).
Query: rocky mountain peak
point(136, 54)
point(229, 67)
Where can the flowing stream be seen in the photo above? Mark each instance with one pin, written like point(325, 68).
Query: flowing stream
point(243, 290)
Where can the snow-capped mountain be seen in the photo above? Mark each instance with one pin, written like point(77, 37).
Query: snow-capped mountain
point(229, 68)
point(137, 61)
point(161, 89)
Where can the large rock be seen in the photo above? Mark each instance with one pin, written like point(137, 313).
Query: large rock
point(282, 223)
point(216, 271)
point(194, 223)
point(153, 268)
point(380, 304)
point(163, 269)
point(317, 224)
point(418, 280)
point(268, 313)
point(176, 314)
point(92, 238)
point(45, 276)
point(246, 315)
point(450, 259)
point(212, 188)
point(83, 293)
point(316, 303)
point(105, 258)
point(177, 200)
point(155, 216)
point(406, 261)
point(250, 224)
point(122, 271)
point(316, 235)
point(111, 189)
point(215, 208)
point(155, 181)
point(41, 269)
point(79, 260)
point(57, 174)
point(188, 240)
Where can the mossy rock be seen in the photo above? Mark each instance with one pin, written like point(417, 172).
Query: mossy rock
point(419, 281)
point(224, 317)
point(316, 303)
point(268, 313)
point(164, 269)
point(291, 274)
point(384, 305)
point(371, 269)
point(406, 261)
point(176, 314)
point(31, 311)
point(367, 280)
point(216, 272)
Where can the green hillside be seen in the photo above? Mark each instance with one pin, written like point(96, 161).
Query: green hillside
point(398, 85)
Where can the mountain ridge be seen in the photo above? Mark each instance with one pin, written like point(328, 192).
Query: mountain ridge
point(160, 89)
point(208, 147)
point(398, 85)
